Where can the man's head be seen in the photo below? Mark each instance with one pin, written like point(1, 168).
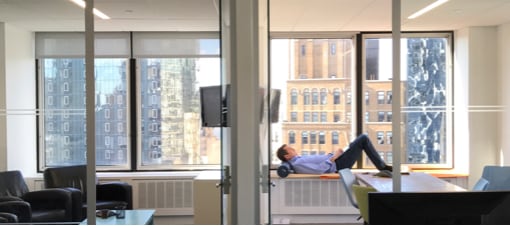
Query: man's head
point(286, 153)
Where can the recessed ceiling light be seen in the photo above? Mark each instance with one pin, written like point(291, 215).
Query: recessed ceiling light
point(427, 8)
point(96, 12)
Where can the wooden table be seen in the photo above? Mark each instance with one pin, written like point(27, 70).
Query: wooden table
point(133, 217)
point(412, 182)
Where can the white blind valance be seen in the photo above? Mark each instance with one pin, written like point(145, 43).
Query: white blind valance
point(118, 44)
point(175, 44)
point(72, 44)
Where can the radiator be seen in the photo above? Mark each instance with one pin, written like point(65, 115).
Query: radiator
point(310, 196)
point(166, 196)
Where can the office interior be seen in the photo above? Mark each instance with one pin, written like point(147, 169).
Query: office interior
point(479, 71)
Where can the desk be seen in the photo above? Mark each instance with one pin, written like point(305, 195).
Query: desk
point(133, 217)
point(413, 182)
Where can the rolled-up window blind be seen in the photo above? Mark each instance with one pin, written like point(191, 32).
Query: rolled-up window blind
point(176, 44)
point(72, 44)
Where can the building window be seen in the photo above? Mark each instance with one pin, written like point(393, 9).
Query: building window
point(292, 137)
point(389, 96)
point(336, 96)
point(348, 98)
point(315, 97)
point(313, 137)
point(367, 97)
point(380, 97)
point(306, 116)
point(315, 116)
point(336, 117)
point(293, 97)
point(389, 137)
point(389, 116)
point(106, 113)
point(322, 137)
point(367, 116)
point(303, 50)
point(334, 137)
point(324, 96)
point(306, 97)
point(293, 116)
point(380, 137)
point(332, 48)
point(324, 116)
point(304, 137)
point(380, 116)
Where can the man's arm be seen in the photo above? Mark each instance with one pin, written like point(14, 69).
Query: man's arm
point(337, 154)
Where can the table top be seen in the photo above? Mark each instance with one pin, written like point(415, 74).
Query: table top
point(133, 217)
point(412, 182)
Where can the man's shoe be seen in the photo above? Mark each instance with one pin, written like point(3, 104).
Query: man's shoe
point(389, 168)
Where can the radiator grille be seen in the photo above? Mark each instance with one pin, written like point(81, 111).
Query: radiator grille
point(171, 195)
point(314, 193)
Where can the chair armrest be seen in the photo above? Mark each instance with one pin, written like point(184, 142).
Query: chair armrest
point(118, 191)
point(8, 217)
point(52, 198)
point(10, 198)
point(21, 209)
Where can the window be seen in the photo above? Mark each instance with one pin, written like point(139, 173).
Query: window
point(313, 137)
point(380, 97)
point(367, 116)
point(367, 97)
point(315, 97)
point(293, 116)
point(336, 117)
point(348, 98)
point(324, 116)
point(306, 97)
point(322, 137)
point(306, 116)
point(426, 72)
point(166, 74)
point(315, 116)
point(380, 116)
point(336, 96)
point(293, 97)
point(106, 113)
point(304, 137)
point(380, 137)
point(292, 137)
point(324, 96)
point(334, 137)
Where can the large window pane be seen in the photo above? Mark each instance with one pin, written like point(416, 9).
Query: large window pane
point(170, 128)
point(425, 79)
point(64, 121)
point(317, 73)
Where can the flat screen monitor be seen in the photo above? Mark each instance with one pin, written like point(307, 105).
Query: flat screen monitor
point(214, 105)
point(274, 105)
point(471, 207)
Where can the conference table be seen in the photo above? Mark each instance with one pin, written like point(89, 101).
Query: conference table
point(410, 182)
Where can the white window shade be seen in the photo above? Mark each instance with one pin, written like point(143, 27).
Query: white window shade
point(175, 44)
point(72, 44)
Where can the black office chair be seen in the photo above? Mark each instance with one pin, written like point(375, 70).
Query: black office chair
point(48, 205)
point(110, 195)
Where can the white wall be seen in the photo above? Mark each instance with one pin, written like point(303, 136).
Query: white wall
point(477, 132)
point(504, 73)
point(3, 130)
point(20, 100)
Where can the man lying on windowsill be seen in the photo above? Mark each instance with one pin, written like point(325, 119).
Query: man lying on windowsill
point(330, 163)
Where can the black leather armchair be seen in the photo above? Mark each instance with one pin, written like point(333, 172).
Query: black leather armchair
point(48, 205)
point(8, 218)
point(73, 178)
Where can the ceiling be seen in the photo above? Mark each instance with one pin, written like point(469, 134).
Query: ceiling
point(285, 15)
